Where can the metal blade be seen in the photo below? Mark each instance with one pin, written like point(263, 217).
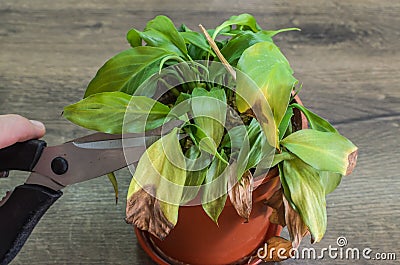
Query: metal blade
point(118, 143)
point(93, 156)
point(83, 163)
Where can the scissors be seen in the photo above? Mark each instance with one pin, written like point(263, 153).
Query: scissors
point(56, 167)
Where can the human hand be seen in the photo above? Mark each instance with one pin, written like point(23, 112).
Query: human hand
point(15, 128)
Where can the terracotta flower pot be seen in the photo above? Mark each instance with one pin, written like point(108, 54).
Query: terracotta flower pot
point(197, 240)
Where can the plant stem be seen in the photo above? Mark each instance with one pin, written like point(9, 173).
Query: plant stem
point(218, 52)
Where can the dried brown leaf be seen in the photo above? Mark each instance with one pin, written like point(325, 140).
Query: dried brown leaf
point(143, 210)
point(241, 194)
point(278, 212)
point(296, 227)
point(278, 249)
point(352, 158)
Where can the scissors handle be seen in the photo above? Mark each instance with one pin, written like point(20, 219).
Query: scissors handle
point(20, 212)
point(21, 156)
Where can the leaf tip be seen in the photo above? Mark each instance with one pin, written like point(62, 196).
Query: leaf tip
point(144, 211)
point(352, 161)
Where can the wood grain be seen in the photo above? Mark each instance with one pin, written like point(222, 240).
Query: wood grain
point(346, 56)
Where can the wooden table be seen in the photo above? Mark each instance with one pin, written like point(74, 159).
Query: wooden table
point(346, 56)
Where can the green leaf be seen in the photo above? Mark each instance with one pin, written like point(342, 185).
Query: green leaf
point(325, 151)
point(315, 121)
point(215, 189)
point(196, 170)
point(114, 182)
point(248, 147)
point(209, 112)
point(182, 98)
point(278, 158)
point(284, 125)
point(127, 70)
point(245, 21)
point(203, 141)
point(134, 39)
point(234, 137)
point(161, 32)
point(198, 40)
point(259, 149)
point(105, 112)
point(285, 186)
point(272, 33)
point(145, 114)
point(239, 43)
point(268, 68)
point(184, 28)
point(330, 180)
point(307, 194)
point(163, 163)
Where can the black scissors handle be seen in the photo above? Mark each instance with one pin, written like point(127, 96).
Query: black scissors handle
point(21, 209)
point(21, 156)
point(19, 215)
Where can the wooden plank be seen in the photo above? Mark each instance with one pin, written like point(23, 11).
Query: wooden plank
point(346, 57)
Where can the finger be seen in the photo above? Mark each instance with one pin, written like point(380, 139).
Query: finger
point(15, 128)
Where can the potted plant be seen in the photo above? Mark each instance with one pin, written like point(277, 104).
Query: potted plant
point(244, 156)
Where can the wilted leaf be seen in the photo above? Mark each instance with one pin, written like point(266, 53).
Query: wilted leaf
point(240, 193)
point(265, 64)
point(265, 118)
point(276, 203)
point(296, 227)
point(325, 151)
point(352, 159)
point(275, 249)
point(144, 211)
point(161, 170)
point(127, 70)
point(307, 194)
point(263, 67)
point(105, 112)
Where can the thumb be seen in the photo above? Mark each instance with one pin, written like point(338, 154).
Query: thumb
point(15, 128)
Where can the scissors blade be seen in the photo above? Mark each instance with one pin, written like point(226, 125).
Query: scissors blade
point(83, 163)
point(93, 156)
